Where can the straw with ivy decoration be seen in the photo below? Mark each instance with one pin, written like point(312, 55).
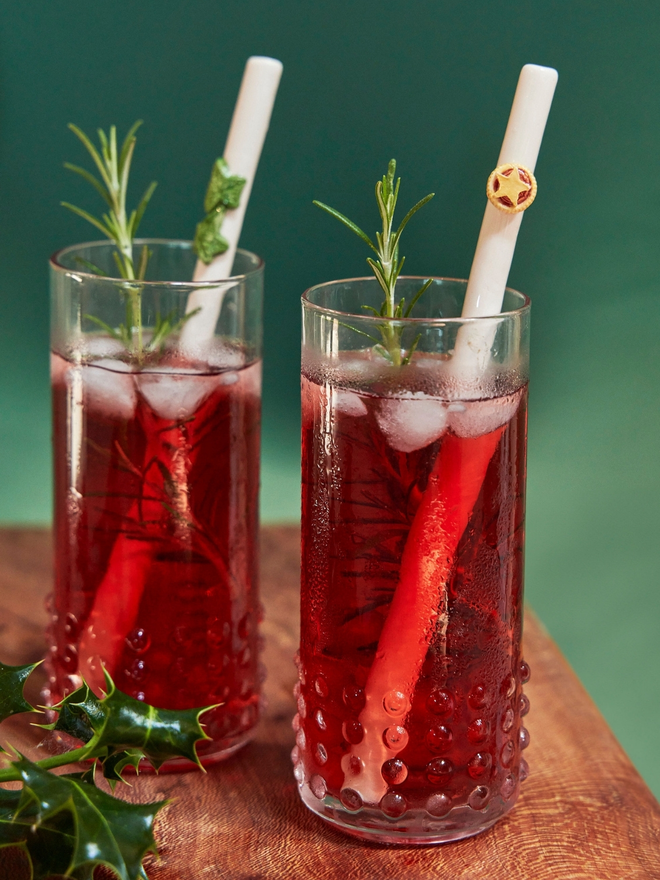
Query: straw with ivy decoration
point(387, 267)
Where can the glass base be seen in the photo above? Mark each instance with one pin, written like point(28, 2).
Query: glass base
point(413, 828)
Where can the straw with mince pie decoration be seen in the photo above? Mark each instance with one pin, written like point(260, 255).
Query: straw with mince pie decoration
point(410, 695)
point(430, 548)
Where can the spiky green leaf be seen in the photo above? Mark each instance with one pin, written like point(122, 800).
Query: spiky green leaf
point(358, 331)
point(114, 765)
point(127, 143)
point(411, 350)
point(79, 714)
point(12, 680)
point(145, 254)
point(124, 171)
point(90, 267)
point(91, 149)
point(120, 723)
point(48, 847)
point(388, 266)
point(419, 293)
point(105, 831)
point(409, 215)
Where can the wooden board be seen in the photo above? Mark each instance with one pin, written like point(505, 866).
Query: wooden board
point(584, 812)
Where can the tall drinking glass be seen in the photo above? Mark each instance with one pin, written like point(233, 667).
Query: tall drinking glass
point(156, 461)
point(410, 703)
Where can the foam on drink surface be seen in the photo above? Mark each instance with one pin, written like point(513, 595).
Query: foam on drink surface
point(415, 405)
point(173, 388)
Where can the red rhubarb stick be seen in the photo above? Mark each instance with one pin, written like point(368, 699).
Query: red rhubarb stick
point(118, 597)
point(419, 607)
point(162, 515)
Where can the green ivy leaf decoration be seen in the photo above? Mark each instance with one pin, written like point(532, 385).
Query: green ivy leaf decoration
point(12, 679)
point(224, 188)
point(105, 831)
point(209, 241)
point(222, 194)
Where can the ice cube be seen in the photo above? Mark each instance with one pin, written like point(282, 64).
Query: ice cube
point(222, 357)
point(483, 416)
point(100, 347)
point(174, 392)
point(109, 388)
point(348, 402)
point(413, 422)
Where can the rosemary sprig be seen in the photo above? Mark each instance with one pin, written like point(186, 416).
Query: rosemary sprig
point(114, 166)
point(387, 267)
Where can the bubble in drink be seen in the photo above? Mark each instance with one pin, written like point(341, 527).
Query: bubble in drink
point(97, 347)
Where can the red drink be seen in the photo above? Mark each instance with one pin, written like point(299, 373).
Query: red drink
point(156, 506)
point(384, 471)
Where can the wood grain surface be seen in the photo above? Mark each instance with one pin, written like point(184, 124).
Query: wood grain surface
point(584, 812)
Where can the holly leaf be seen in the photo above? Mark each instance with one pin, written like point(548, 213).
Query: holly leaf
point(12, 679)
point(114, 765)
point(224, 188)
point(120, 730)
point(48, 847)
point(75, 714)
point(89, 826)
point(124, 723)
point(209, 241)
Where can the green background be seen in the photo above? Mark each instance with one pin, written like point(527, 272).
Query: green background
point(429, 82)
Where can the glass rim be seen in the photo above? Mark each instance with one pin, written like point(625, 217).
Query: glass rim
point(54, 261)
point(378, 319)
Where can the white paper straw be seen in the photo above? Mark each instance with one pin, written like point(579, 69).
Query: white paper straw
point(499, 231)
point(245, 141)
